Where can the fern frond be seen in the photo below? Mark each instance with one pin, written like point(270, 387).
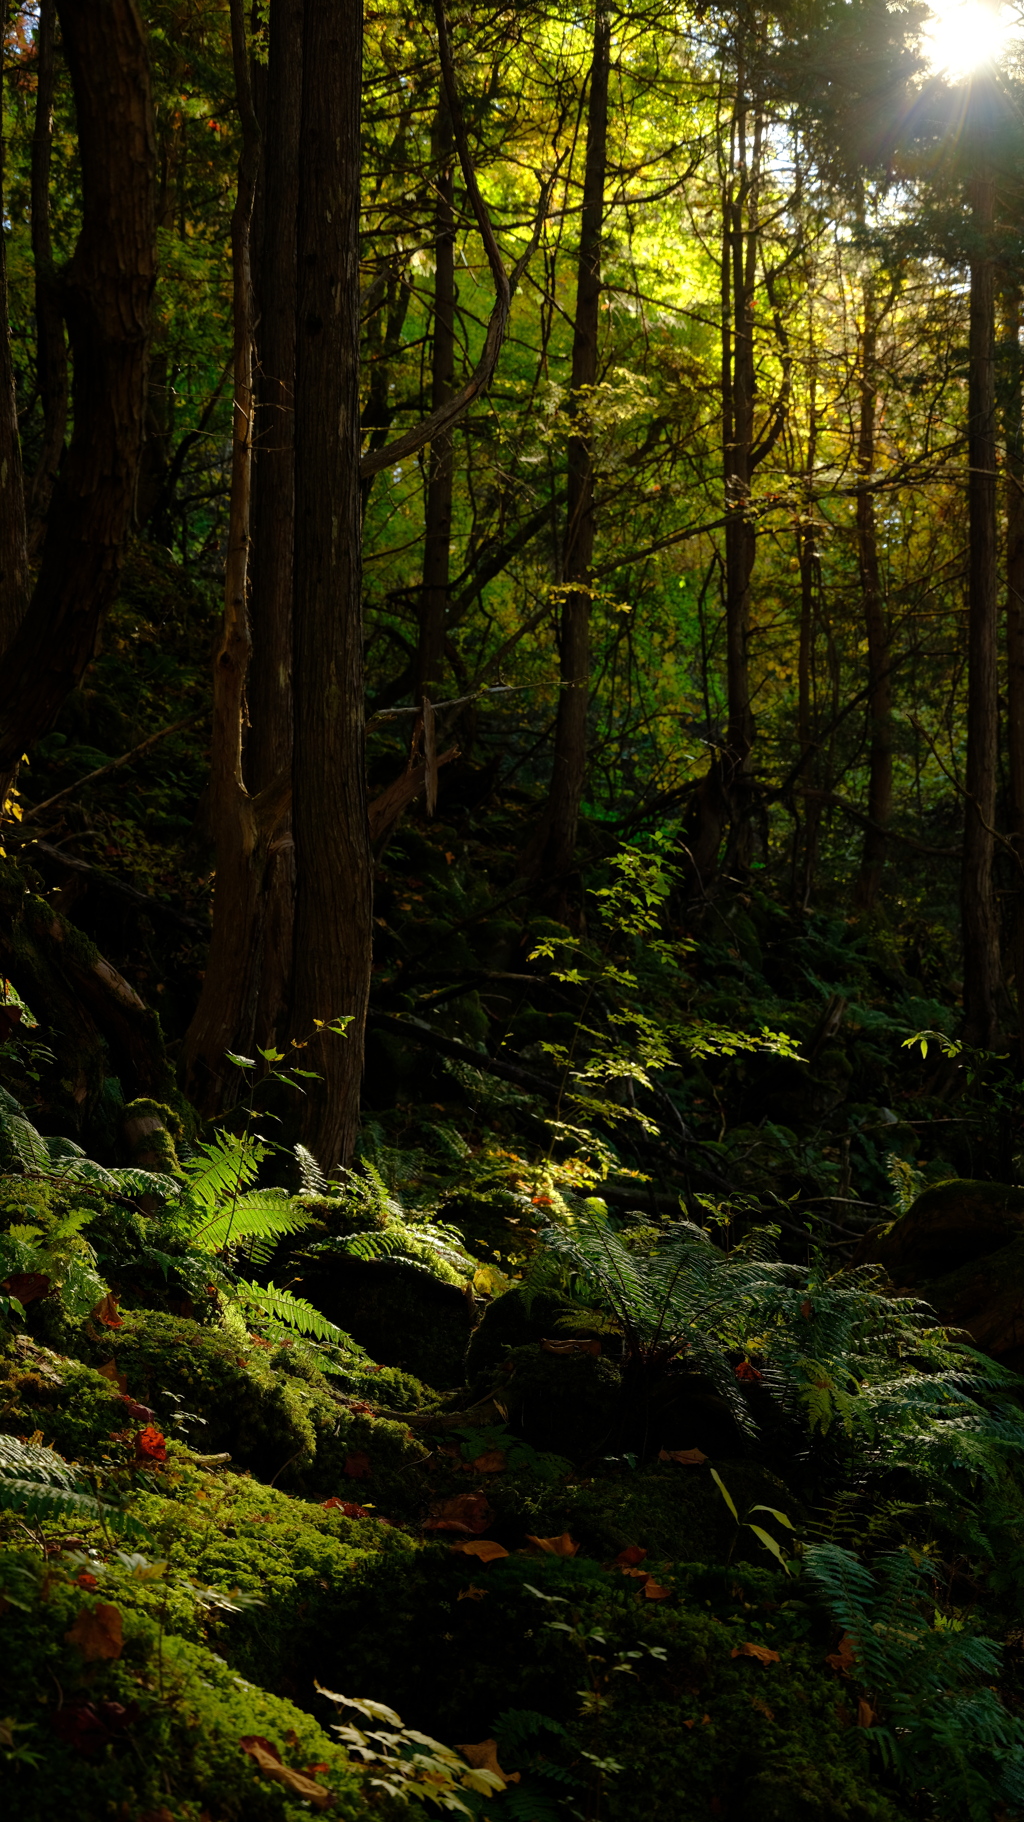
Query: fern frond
point(21, 1142)
point(314, 1182)
point(220, 1168)
point(39, 1484)
point(294, 1312)
point(260, 1214)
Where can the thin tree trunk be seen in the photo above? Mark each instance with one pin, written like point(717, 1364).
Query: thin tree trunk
point(51, 353)
point(332, 851)
point(979, 922)
point(13, 556)
point(1014, 499)
point(875, 624)
point(569, 765)
point(269, 746)
point(225, 1016)
point(438, 522)
point(107, 295)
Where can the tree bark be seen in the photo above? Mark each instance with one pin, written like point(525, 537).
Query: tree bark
point(51, 352)
point(875, 622)
point(438, 520)
point(269, 747)
point(107, 295)
point(332, 851)
point(568, 772)
point(13, 555)
point(225, 1016)
point(1014, 502)
point(979, 923)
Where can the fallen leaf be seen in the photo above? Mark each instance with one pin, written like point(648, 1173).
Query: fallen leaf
point(468, 1512)
point(687, 1458)
point(347, 1507)
point(106, 1312)
point(150, 1445)
point(98, 1632)
point(492, 1461)
point(472, 1593)
point(762, 1708)
point(268, 1760)
point(482, 1548)
point(844, 1657)
point(571, 1347)
point(87, 1581)
point(109, 1371)
point(86, 1726)
point(554, 1546)
point(865, 1713)
point(141, 1412)
point(484, 1757)
point(26, 1286)
point(155, 1815)
point(807, 1308)
point(357, 1466)
point(763, 1653)
point(630, 1556)
point(747, 1374)
point(654, 1592)
point(360, 1408)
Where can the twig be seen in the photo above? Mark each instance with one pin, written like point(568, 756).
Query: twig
point(114, 764)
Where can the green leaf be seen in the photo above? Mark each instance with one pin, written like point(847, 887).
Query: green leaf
point(769, 1543)
point(726, 1495)
point(240, 1062)
point(775, 1513)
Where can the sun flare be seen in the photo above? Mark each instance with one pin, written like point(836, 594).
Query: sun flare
point(963, 36)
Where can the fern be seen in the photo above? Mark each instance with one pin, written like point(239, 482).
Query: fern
point(38, 1485)
point(261, 1217)
point(293, 1312)
point(19, 1139)
point(314, 1182)
point(930, 1683)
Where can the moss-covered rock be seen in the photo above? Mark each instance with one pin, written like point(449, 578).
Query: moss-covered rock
point(404, 1314)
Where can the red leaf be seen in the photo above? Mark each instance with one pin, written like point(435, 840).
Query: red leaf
point(150, 1445)
point(747, 1374)
point(140, 1411)
point(357, 1466)
point(630, 1556)
point(347, 1507)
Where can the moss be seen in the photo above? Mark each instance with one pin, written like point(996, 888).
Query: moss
point(159, 1724)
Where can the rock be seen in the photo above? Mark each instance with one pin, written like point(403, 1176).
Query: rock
point(508, 1323)
point(399, 1312)
point(948, 1226)
point(960, 1248)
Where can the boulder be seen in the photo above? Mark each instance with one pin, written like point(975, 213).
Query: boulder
point(960, 1248)
point(399, 1312)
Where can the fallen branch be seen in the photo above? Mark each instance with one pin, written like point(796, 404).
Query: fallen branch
point(114, 764)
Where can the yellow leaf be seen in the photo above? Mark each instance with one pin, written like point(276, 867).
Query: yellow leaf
point(554, 1546)
point(763, 1653)
point(481, 1547)
point(484, 1757)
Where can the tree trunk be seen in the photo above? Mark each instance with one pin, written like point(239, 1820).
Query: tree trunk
point(979, 922)
point(13, 556)
point(875, 625)
point(51, 353)
point(568, 770)
point(107, 295)
point(332, 852)
point(269, 746)
point(225, 1016)
point(438, 523)
point(1014, 471)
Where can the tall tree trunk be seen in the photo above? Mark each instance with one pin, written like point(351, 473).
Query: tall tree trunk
point(875, 623)
point(332, 851)
point(107, 296)
point(269, 747)
point(979, 923)
point(438, 524)
point(568, 770)
point(13, 556)
point(225, 1016)
point(1014, 501)
point(51, 353)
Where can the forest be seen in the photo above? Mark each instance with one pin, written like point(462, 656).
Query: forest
point(512, 910)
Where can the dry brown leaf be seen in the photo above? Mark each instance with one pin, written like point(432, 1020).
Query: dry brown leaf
point(26, 1286)
point(865, 1713)
point(844, 1657)
point(762, 1708)
point(106, 1312)
point(472, 1593)
point(268, 1760)
point(357, 1466)
point(571, 1347)
point(653, 1591)
point(492, 1461)
point(687, 1458)
point(97, 1632)
point(554, 1546)
point(481, 1547)
point(763, 1653)
point(467, 1512)
point(109, 1371)
point(484, 1757)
